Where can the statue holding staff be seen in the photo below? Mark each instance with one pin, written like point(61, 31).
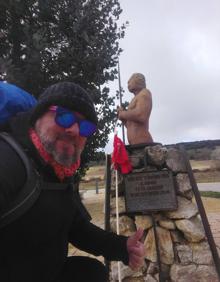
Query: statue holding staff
point(136, 117)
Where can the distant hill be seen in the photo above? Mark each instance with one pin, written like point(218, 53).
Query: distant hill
point(200, 144)
point(202, 150)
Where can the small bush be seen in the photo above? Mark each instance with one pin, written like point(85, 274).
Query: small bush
point(210, 194)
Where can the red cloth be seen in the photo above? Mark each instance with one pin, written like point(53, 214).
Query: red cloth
point(120, 157)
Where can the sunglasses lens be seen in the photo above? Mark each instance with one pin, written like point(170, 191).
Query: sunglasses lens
point(65, 119)
point(87, 128)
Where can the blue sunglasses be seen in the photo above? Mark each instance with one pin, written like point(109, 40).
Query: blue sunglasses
point(66, 119)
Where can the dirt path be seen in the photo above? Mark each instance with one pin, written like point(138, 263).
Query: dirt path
point(212, 207)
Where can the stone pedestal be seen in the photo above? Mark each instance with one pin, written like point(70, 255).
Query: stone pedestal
point(184, 252)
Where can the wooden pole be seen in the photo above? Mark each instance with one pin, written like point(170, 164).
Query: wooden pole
point(120, 99)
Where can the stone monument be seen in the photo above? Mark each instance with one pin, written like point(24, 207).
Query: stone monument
point(181, 251)
point(160, 196)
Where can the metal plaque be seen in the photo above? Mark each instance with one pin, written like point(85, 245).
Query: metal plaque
point(150, 191)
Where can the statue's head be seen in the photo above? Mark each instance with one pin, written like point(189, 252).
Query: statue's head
point(136, 82)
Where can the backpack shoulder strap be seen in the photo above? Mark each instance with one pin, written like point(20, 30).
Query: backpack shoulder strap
point(29, 192)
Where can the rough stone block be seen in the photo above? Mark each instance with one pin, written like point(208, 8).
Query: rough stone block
point(167, 224)
point(156, 155)
point(152, 268)
point(137, 158)
point(149, 278)
point(175, 160)
point(192, 229)
point(126, 225)
point(165, 246)
point(134, 279)
point(126, 271)
point(121, 205)
point(202, 253)
point(177, 236)
point(143, 221)
point(193, 273)
point(186, 209)
point(183, 184)
point(185, 254)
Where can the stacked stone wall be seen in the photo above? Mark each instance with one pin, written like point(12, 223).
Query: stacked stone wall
point(184, 251)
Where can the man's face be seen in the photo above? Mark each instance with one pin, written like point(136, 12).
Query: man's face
point(64, 144)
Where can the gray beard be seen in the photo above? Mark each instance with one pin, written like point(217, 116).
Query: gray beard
point(62, 158)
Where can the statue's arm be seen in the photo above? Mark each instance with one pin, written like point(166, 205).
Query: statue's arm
point(140, 112)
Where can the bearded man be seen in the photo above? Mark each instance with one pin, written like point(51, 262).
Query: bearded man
point(34, 242)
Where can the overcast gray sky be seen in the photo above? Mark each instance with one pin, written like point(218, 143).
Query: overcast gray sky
point(176, 45)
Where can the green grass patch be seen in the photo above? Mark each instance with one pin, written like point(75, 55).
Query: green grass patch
point(210, 194)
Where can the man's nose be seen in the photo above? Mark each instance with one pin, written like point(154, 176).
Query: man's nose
point(74, 129)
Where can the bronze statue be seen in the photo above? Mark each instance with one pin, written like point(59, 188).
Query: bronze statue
point(136, 117)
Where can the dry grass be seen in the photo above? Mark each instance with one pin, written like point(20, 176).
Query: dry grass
point(202, 165)
point(206, 170)
point(94, 176)
point(95, 172)
point(211, 204)
point(203, 173)
point(207, 176)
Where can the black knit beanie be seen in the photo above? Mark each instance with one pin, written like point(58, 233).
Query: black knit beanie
point(68, 95)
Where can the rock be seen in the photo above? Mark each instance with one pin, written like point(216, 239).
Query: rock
point(186, 209)
point(149, 278)
point(113, 178)
point(156, 155)
point(184, 253)
point(167, 224)
point(156, 276)
point(137, 158)
point(206, 273)
point(121, 205)
point(175, 160)
point(143, 221)
point(189, 195)
point(134, 279)
point(152, 268)
point(193, 273)
point(202, 253)
point(165, 271)
point(192, 229)
point(125, 272)
point(165, 246)
point(126, 225)
point(121, 185)
point(158, 216)
point(182, 273)
point(150, 248)
point(177, 236)
point(145, 169)
point(183, 184)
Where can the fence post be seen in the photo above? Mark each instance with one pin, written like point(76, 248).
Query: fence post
point(97, 186)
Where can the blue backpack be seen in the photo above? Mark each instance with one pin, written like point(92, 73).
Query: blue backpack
point(14, 100)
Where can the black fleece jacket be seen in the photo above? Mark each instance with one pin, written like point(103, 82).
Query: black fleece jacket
point(34, 247)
